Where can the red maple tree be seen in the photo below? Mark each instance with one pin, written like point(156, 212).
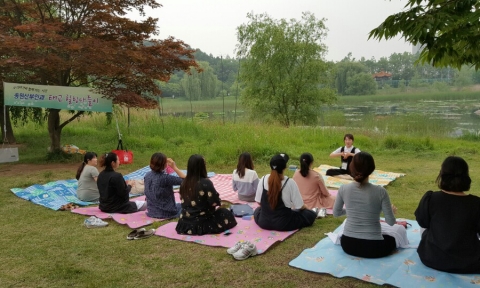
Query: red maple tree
point(88, 43)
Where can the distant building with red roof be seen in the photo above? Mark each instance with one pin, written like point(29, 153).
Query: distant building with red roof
point(382, 75)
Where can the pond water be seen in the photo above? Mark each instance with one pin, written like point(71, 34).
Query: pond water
point(461, 116)
point(457, 117)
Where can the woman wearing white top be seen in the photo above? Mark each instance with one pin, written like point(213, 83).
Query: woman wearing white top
point(245, 179)
point(346, 154)
point(87, 175)
point(281, 204)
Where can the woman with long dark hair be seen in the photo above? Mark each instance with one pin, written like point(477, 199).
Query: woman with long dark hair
point(87, 175)
point(362, 233)
point(451, 219)
point(314, 192)
point(201, 212)
point(114, 192)
point(244, 178)
point(281, 205)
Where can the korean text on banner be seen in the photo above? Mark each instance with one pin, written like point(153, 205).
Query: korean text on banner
point(55, 97)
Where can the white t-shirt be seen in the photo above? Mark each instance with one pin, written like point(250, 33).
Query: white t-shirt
point(348, 150)
point(291, 196)
point(246, 186)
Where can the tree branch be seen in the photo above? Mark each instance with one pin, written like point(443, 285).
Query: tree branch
point(71, 119)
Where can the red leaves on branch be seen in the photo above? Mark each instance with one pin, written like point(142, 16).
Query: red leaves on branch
point(89, 43)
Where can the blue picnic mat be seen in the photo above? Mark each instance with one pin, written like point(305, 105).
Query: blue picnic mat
point(402, 269)
point(54, 195)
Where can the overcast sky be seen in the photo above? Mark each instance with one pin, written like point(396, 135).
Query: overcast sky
point(210, 25)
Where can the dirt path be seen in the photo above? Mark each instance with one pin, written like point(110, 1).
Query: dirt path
point(11, 169)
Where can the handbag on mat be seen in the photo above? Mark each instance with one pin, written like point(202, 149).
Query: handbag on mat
point(240, 210)
point(124, 156)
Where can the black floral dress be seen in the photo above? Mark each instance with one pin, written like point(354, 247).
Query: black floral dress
point(200, 215)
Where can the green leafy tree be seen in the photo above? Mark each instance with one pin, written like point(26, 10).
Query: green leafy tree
point(283, 70)
point(402, 65)
point(361, 84)
point(344, 70)
point(284, 73)
point(201, 84)
point(448, 30)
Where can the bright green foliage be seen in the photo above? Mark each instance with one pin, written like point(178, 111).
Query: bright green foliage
point(346, 69)
point(448, 30)
point(284, 73)
point(200, 85)
point(361, 84)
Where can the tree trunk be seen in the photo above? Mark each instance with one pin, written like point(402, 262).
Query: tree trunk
point(10, 137)
point(54, 129)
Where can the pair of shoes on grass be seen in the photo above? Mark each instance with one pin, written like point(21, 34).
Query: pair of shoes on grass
point(321, 212)
point(94, 222)
point(243, 250)
point(141, 233)
point(68, 207)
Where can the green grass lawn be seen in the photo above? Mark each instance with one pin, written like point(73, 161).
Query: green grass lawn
point(45, 248)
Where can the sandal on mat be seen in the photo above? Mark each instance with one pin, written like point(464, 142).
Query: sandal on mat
point(134, 233)
point(144, 234)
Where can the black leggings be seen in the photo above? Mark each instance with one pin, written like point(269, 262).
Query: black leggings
point(335, 172)
point(368, 248)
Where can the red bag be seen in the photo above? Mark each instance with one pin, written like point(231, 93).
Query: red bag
point(124, 156)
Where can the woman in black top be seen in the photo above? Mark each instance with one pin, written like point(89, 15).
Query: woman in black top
point(201, 211)
point(114, 192)
point(451, 220)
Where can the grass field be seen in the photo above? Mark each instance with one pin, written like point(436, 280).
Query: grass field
point(44, 248)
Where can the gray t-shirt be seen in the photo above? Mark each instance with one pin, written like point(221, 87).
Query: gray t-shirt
point(87, 186)
point(363, 206)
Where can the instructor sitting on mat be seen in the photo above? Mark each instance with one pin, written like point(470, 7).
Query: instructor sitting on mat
point(346, 154)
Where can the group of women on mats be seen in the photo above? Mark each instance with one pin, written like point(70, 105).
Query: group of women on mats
point(450, 218)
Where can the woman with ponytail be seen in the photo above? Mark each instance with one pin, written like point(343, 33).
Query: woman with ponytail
point(87, 175)
point(362, 234)
point(114, 192)
point(451, 219)
point(314, 192)
point(281, 205)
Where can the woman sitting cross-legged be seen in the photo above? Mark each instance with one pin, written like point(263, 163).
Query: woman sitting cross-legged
point(451, 220)
point(346, 154)
point(362, 234)
point(201, 211)
point(281, 205)
point(314, 192)
point(159, 188)
point(245, 179)
point(114, 192)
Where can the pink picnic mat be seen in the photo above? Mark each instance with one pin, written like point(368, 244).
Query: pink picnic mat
point(133, 220)
point(333, 193)
point(223, 185)
point(245, 230)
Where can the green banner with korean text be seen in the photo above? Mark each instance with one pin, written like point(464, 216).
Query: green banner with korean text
point(55, 97)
